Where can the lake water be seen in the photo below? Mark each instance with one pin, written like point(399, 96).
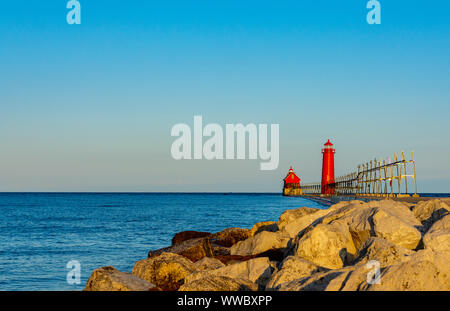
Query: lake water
point(41, 232)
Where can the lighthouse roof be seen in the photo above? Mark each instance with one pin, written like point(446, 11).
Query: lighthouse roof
point(328, 143)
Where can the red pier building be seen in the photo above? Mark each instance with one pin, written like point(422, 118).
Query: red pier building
point(291, 184)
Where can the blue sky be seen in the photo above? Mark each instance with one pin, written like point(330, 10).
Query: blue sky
point(90, 107)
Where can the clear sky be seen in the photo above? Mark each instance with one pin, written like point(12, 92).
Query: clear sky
point(90, 107)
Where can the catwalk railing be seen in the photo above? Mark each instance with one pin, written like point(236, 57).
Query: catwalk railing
point(388, 178)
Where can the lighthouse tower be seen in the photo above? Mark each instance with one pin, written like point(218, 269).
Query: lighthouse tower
point(328, 168)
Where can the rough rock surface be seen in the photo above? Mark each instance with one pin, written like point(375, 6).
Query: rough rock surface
point(194, 249)
point(327, 245)
point(263, 226)
point(396, 228)
point(292, 268)
point(220, 250)
point(353, 278)
point(110, 279)
point(343, 203)
point(316, 282)
point(429, 212)
point(188, 235)
point(437, 237)
point(295, 227)
point(230, 236)
point(208, 263)
point(357, 216)
point(260, 243)
point(344, 210)
point(425, 270)
point(293, 214)
point(256, 270)
point(387, 219)
point(167, 270)
point(232, 259)
point(345, 279)
point(385, 252)
point(219, 283)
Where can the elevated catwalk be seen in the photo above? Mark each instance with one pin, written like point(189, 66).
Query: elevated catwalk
point(393, 178)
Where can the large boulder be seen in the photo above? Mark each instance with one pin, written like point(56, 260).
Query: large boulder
point(398, 209)
point(424, 271)
point(390, 220)
point(295, 227)
point(327, 245)
point(385, 252)
point(263, 226)
point(293, 214)
point(344, 203)
point(188, 235)
point(257, 270)
point(260, 243)
point(350, 278)
point(194, 249)
point(110, 279)
point(167, 270)
point(354, 278)
point(316, 282)
point(208, 263)
point(292, 268)
point(437, 237)
point(357, 216)
point(343, 210)
point(395, 226)
point(230, 236)
point(219, 283)
point(430, 211)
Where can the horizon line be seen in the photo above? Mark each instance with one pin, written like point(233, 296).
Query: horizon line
point(169, 192)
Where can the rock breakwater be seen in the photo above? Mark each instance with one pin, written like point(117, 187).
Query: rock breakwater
point(306, 249)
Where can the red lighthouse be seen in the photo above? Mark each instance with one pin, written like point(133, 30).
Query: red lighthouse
point(328, 168)
point(292, 184)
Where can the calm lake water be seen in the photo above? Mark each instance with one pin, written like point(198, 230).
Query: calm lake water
point(41, 232)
